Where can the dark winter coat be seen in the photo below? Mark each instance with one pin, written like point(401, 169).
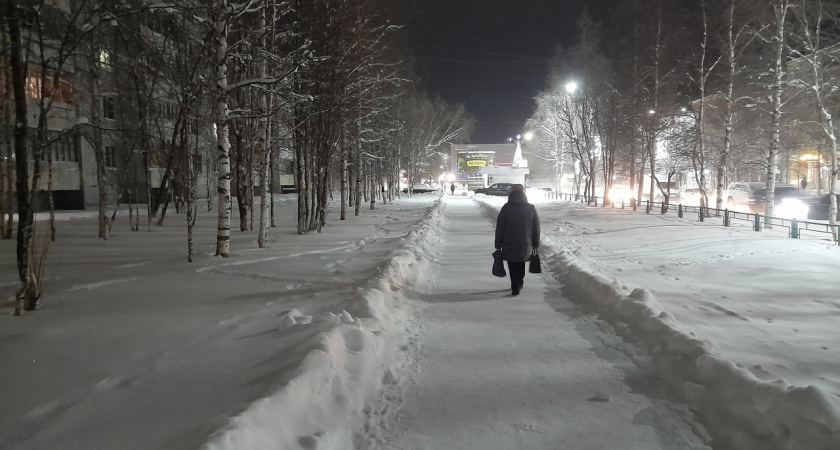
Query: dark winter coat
point(517, 228)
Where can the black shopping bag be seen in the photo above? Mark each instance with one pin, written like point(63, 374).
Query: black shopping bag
point(534, 266)
point(498, 264)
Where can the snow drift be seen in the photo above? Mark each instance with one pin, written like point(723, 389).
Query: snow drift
point(324, 400)
point(740, 410)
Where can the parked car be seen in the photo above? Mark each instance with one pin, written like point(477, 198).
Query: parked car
point(818, 207)
point(745, 194)
point(496, 189)
point(539, 192)
point(789, 202)
point(691, 196)
point(419, 189)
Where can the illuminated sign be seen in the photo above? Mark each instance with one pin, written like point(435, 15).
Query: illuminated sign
point(472, 162)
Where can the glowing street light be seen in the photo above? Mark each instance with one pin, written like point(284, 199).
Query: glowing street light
point(527, 137)
point(571, 87)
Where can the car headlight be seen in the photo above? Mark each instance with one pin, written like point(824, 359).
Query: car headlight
point(792, 208)
point(620, 194)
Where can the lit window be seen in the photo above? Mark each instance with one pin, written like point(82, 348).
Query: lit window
point(104, 59)
point(33, 86)
point(63, 92)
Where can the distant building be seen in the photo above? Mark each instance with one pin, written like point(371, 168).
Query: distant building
point(480, 165)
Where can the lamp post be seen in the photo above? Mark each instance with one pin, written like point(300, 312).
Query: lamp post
point(577, 133)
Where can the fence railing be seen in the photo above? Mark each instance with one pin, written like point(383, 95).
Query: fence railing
point(794, 227)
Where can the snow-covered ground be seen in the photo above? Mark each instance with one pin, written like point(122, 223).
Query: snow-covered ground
point(387, 331)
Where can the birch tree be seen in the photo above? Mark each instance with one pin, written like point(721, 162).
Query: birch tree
point(225, 15)
point(547, 125)
point(7, 116)
point(735, 40)
point(704, 69)
point(651, 127)
point(777, 38)
point(427, 125)
point(25, 215)
point(47, 41)
point(337, 92)
point(55, 35)
point(819, 58)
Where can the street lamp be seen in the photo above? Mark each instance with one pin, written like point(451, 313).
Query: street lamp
point(527, 137)
point(571, 87)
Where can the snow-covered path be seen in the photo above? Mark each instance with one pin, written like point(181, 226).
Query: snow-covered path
point(494, 371)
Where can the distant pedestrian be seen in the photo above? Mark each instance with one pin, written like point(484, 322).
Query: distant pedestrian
point(517, 235)
point(452, 188)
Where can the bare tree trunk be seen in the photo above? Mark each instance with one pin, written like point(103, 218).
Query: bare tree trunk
point(700, 172)
point(223, 142)
point(372, 184)
point(26, 221)
point(813, 39)
point(241, 178)
point(249, 188)
point(190, 206)
point(381, 183)
point(99, 153)
point(7, 187)
point(50, 198)
point(8, 191)
point(344, 186)
point(272, 161)
point(300, 162)
point(148, 176)
point(359, 179)
point(726, 151)
point(263, 148)
point(654, 113)
point(780, 8)
point(634, 133)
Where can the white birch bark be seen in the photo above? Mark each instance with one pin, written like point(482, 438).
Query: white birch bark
point(652, 125)
point(726, 151)
point(780, 8)
point(222, 130)
point(812, 38)
point(263, 148)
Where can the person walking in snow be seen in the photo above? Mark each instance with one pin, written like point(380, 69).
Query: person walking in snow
point(517, 235)
point(452, 188)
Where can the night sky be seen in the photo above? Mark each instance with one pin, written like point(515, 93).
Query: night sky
point(492, 55)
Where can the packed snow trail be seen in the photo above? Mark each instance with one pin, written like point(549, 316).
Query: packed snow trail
point(494, 371)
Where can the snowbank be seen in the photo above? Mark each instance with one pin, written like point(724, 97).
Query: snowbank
point(740, 410)
point(351, 352)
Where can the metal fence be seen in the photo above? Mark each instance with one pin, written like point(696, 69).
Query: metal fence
point(796, 229)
